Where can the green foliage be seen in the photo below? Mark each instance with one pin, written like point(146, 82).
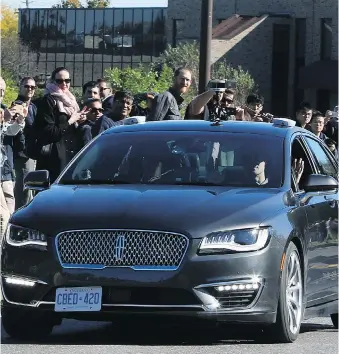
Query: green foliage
point(76, 4)
point(97, 4)
point(68, 4)
point(11, 92)
point(146, 78)
point(141, 79)
point(39, 92)
point(77, 92)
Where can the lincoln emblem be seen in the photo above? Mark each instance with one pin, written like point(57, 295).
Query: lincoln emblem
point(120, 247)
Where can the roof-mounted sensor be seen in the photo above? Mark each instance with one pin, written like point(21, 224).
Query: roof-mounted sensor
point(283, 123)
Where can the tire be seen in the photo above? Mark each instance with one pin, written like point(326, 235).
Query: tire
point(334, 318)
point(290, 308)
point(24, 324)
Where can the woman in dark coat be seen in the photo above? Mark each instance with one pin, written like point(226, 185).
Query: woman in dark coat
point(56, 125)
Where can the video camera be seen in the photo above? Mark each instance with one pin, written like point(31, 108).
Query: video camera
point(220, 86)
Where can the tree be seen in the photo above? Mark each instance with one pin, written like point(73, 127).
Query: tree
point(8, 21)
point(92, 4)
point(76, 4)
point(16, 59)
point(140, 80)
point(69, 4)
point(11, 92)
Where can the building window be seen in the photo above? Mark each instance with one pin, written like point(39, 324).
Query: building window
point(326, 39)
point(178, 31)
point(88, 41)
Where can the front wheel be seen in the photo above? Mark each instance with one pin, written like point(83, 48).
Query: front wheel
point(23, 324)
point(290, 305)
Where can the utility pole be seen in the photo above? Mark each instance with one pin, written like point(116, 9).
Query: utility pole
point(205, 44)
point(27, 2)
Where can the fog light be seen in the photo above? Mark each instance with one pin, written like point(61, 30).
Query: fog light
point(228, 287)
point(241, 287)
point(19, 282)
point(234, 287)
point(220, 288)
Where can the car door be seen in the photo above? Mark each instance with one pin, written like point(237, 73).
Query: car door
point(322, 215)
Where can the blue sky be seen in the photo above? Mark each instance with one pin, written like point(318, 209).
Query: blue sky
point(114, 3)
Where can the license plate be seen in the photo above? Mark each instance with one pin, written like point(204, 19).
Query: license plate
point(78, 299)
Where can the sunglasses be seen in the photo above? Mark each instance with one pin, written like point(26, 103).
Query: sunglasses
point(61, 81)
point(95, 110)
point(29, 87)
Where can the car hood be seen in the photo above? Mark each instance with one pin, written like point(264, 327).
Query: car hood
point(188, 209)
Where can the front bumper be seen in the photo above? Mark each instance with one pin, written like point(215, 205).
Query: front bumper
point(200, 288)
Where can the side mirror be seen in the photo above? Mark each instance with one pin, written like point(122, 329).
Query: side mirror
point(37, 180)
point(320, 183)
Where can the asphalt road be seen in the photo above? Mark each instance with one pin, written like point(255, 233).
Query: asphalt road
point(317, 337)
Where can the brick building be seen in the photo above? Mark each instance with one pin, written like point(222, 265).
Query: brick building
point(289, 46)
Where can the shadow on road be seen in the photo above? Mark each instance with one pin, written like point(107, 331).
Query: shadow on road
point(151, 335)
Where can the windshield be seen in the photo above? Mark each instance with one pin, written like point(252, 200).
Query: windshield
point(180, 157)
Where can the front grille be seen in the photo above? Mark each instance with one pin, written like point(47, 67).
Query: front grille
point(140, 250)
point(236, 299)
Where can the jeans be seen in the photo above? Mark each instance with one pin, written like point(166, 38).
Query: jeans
point(7, 204)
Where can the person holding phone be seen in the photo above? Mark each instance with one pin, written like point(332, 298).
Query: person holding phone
point(22, 163)
point(12, 121)
point(55, 126)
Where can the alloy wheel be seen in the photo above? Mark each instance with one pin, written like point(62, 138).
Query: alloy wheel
point(294, 293)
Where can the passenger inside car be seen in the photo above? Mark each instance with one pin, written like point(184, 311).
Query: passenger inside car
point(301, 167)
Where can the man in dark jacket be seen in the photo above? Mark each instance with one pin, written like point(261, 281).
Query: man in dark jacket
point(122, 106)
point(106, 94)
point(304, 115)
point(166, 106)
point(317, 125)
point(22, 163)
point(96, 122)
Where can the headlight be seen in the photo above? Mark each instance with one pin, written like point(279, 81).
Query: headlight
point(20, 236)
point(235, 241)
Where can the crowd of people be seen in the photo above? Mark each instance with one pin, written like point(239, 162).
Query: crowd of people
point(46, 132)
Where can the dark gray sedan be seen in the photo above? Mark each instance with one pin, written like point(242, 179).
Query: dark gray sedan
point(225, 221)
